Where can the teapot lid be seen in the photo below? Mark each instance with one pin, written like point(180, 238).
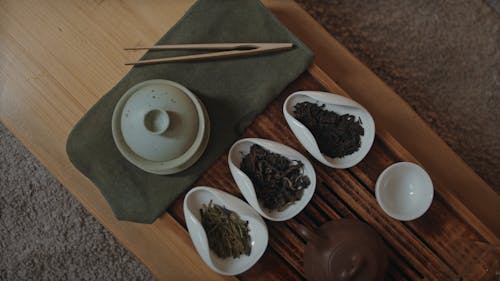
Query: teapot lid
point(345, 249)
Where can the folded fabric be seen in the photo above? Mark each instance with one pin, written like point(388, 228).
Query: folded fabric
point(233, 90)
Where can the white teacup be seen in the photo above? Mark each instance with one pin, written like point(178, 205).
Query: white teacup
point(404, 191)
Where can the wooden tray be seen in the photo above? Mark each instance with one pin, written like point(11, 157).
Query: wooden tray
point(432, 247)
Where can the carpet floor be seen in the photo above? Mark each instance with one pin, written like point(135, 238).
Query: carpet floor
point(442, 57)
point(45, 234)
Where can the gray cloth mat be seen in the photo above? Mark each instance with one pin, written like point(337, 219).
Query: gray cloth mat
point(234, 91)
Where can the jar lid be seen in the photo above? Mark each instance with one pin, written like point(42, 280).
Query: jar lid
point(345, 249)
point(160, 126)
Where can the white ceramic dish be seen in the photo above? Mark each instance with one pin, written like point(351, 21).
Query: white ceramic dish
point(160, 126)
point(194, 201)
point(241, 148)
point(404, 191)
point(340, 105)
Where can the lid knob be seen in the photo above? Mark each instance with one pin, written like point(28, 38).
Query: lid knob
point(156, 121)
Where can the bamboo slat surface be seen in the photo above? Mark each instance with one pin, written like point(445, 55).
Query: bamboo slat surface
point(431, 247)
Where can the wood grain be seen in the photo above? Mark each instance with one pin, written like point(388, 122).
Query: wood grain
point(57, 58)
point(431, 247)
point(394, 114)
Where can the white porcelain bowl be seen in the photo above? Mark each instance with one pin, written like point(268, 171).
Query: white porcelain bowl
point(242, 147)
point(340, 105)
point(404, 191)
point(194, 201)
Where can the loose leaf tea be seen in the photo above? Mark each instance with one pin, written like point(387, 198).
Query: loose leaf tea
point(337, 135)
point(228, 235)
point(278, 182)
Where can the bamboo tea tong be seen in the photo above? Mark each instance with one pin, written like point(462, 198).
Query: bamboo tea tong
point(228, 50)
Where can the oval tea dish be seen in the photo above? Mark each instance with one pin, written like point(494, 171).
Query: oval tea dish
point(194, 201)
point(340, 105)
point(241, 148)
point(160, 126)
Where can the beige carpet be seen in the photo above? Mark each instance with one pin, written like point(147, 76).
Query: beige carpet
point(443, 57)
point(45, 234)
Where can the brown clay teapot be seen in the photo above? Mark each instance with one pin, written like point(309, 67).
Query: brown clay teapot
point(344, 249)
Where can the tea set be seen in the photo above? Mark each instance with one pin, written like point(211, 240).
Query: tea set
point(162, 127)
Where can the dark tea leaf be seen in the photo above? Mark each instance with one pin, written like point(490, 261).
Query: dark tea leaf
point(228, 235)
point(337, 135)
point(278, 181)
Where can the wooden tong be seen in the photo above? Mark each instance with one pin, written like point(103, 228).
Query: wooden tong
point(232, 50)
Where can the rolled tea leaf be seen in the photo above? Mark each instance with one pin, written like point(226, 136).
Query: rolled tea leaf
point(337, 135)
point(278, 181)
point(227, 234)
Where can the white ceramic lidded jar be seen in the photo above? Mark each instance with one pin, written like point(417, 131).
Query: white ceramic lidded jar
point(160, 126)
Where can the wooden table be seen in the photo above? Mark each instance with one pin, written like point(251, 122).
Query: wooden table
point(58, 58)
